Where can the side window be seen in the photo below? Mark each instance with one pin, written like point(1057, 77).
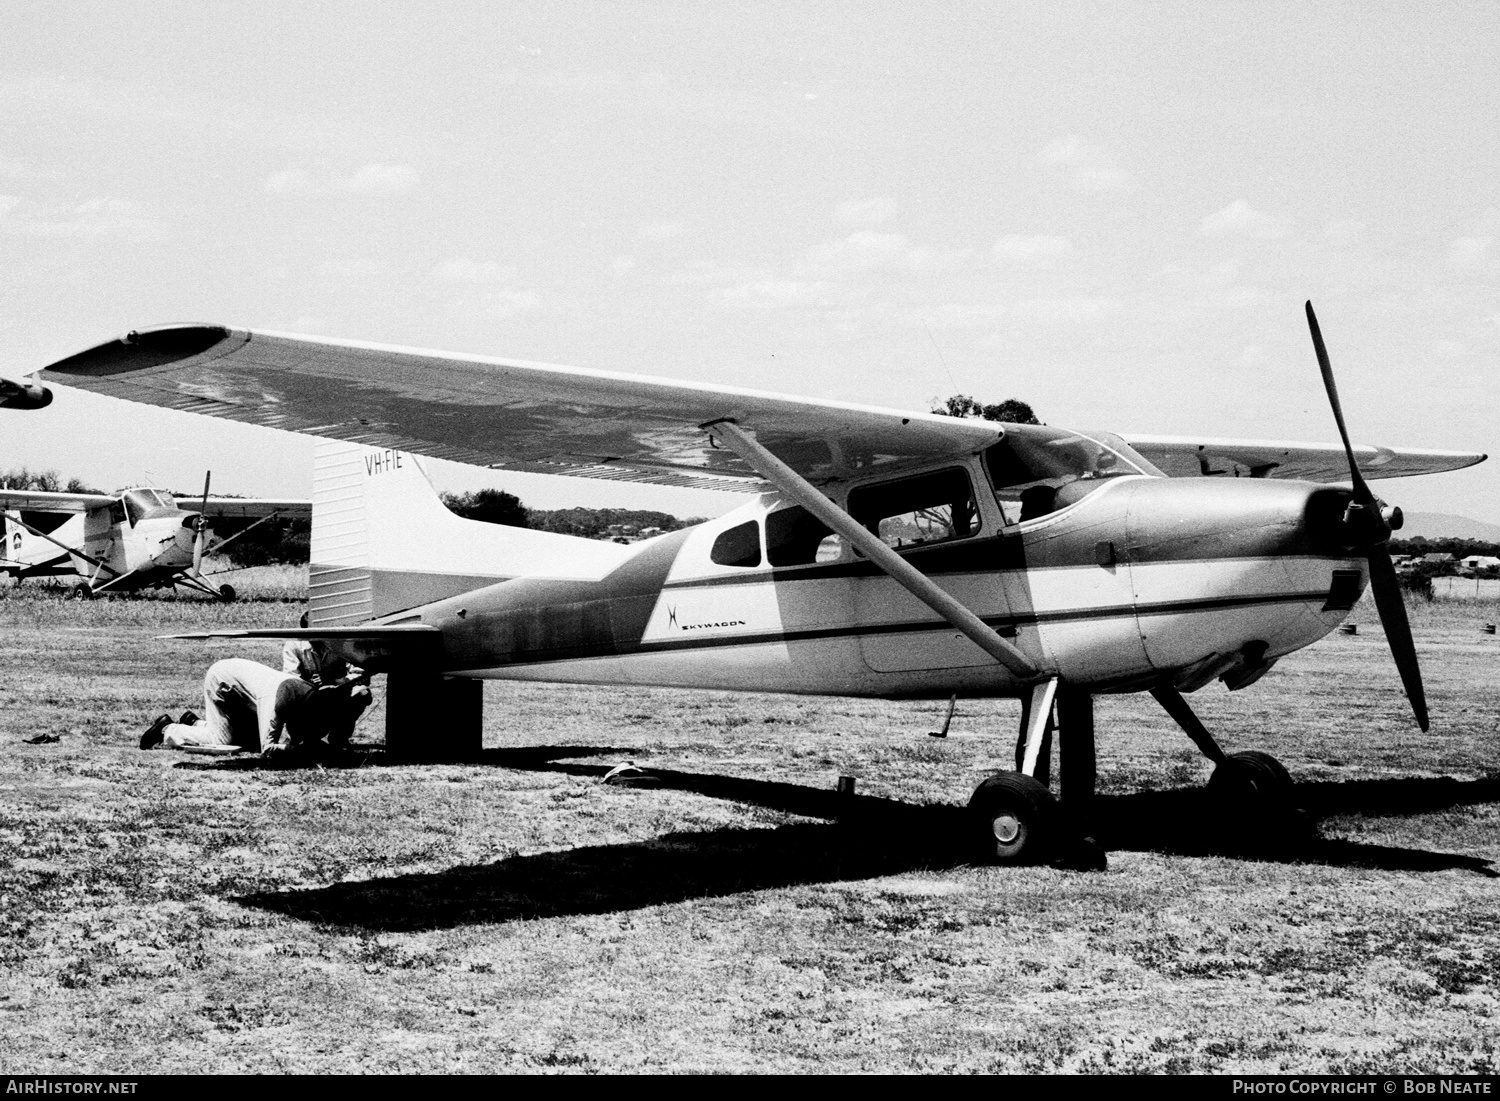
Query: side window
point(794, 537)
point(739, 546)
point(918, 511)
point(132, 509)
point(116, 512)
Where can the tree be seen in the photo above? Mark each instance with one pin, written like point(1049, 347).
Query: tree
point(494, 506)
point(44, 481)
point(1011, 410)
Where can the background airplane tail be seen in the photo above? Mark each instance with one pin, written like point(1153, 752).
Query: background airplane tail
point(383, 541)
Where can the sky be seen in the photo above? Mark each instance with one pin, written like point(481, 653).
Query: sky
point(1111, 211)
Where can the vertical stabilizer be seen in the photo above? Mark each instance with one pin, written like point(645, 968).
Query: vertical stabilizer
point(383, 541)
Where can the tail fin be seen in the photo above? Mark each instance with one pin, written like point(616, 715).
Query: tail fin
point(383, 541)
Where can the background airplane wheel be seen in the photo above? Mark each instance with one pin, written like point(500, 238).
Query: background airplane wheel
point(226, 593)
point(81, 591)
point(1252, 777)
point(1014, 819)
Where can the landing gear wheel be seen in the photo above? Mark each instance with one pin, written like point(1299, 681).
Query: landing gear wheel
point(1252, 777)
point(81, 591)
point(1254, 797)
point(226, 593)
point(1014, 819)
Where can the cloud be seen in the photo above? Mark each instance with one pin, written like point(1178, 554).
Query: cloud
point(1037, 248)
point(767, 293)
point(1470, 252)
point(473, 271)
point(1089, 167)
point(508, 303)
point(377, 180)
point(381, 179)
point(661, 231)
point(1239, 219)
point(867, 250)
point(865, 212)
point(1477, 252)
point(98, 217)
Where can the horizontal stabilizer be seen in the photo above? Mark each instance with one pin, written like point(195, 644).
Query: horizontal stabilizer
point(384, 632)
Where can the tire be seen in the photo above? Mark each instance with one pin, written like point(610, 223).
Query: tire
point(1014, 819)
point(227, 593)
point(81, 591)
point(1252, 778)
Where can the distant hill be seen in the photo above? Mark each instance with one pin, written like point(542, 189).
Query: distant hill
point(1441, 525)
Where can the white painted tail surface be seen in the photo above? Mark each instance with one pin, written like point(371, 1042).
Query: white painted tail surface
point(382, 540)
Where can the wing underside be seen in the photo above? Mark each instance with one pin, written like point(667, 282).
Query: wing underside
point(516, 415)
point(503, 413)
point(1206, 457)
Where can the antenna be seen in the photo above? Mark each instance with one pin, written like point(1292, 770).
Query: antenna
point(931, 340)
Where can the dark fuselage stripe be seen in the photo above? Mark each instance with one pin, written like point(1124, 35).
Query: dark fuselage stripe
point(1173, 607)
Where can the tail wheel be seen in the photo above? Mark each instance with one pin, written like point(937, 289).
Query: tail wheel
point(1252, 778)
point(227, 593)
point(1014, 819)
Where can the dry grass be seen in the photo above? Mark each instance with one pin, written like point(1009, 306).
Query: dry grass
point(171, 914)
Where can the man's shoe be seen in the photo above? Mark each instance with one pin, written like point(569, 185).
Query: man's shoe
point(154, 733)
point(189, 718)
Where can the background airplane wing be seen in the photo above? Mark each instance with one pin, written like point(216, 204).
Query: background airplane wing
point(1202, 456)
point(248, 507)
point(504, 413)
point(38, 501)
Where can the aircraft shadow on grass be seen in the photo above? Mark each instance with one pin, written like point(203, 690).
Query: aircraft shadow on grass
point(864, 837)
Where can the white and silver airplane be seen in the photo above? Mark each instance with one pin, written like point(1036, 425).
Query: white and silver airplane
point(116, 543)
point(881, 553)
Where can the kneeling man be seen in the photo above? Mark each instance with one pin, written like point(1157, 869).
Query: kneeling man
point(248, 705)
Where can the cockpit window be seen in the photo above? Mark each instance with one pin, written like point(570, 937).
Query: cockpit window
point(1036, 470)
point(738, 546)
point(918, 511)
point(143, 504)
point(795, 537)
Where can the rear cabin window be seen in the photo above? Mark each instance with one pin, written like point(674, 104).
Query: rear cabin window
point(795, 537)
point(739, 546)
point(918, 511)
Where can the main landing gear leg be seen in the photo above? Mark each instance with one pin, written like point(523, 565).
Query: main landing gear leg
point(1016, 818)
point(433, 718)
point(1253, 790)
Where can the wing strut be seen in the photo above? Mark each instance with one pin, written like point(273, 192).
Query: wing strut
point(784, 478)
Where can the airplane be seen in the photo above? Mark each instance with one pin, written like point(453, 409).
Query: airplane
point(117, 543)
point(881, 553)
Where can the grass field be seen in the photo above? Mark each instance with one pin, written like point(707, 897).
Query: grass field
point(168, 913)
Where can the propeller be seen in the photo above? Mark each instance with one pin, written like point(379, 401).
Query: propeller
point(1369, 530)
point(201, 525)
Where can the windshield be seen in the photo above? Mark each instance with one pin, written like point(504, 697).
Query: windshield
point(142, 504)
point(1036, 470)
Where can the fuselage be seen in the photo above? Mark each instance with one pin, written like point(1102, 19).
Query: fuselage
point(1113, 582)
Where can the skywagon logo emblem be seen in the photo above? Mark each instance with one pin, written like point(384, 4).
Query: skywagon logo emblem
point(672, 622)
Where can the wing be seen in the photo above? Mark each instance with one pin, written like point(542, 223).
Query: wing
point(1202, 456)
point(37, 501)
point(505, 413)
point(20, 393)
point(248, 507)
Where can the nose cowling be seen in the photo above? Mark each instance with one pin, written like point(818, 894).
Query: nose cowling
point(1181, 518)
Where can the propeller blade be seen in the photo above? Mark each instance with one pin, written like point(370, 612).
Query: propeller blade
point(1392, 607)
point(1361, 491)
point(1365, 520)
point(202, 525)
